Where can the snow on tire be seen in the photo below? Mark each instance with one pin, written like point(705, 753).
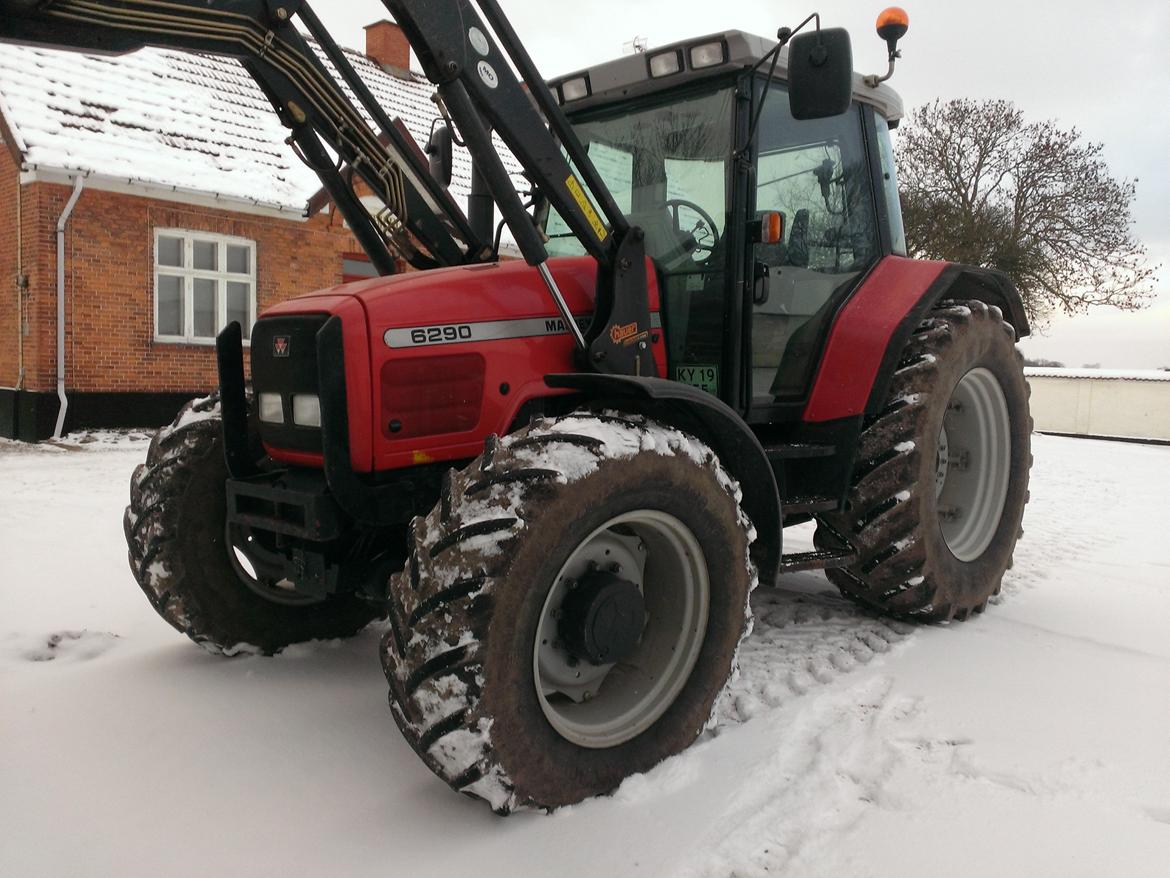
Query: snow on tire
point(177, 539)
point(489, 679)
point(941, 478)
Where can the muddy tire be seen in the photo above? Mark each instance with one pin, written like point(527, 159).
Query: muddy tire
point(178, 552)
point(479, 653)
point(939, 489)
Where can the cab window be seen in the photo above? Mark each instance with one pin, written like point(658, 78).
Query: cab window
point(816, 174)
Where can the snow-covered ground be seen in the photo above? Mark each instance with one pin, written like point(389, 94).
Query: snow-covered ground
point(1033, 740)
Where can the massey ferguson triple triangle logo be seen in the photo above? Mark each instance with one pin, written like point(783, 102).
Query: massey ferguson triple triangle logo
point(280, 345)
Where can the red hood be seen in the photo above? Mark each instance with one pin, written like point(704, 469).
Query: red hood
point(468, 292)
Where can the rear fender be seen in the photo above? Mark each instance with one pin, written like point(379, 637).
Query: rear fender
point(709, 419)
point(871, 330)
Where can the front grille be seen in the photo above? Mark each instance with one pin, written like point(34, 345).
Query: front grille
point(284, 361)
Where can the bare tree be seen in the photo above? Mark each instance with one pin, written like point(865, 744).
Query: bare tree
point(981, 185)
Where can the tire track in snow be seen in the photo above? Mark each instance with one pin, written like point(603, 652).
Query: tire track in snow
point(833, 759)
point(833, 752)
point(801, 640)
point(804, 635)
point(837, 753)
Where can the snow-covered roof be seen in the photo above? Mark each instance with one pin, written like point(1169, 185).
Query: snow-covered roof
point(1116, 374)
point(177, 120)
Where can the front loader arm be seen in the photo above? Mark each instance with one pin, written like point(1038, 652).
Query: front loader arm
point(472, 63)
point(420, 221)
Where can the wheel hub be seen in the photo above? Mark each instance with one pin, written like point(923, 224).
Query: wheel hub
point(611, 653)
point(602, 618)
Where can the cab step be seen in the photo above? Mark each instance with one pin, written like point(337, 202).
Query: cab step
point(816, 560)
point(798, 450)
point(809, 505)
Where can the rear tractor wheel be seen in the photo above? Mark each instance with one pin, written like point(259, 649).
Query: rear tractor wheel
point(207, 579)
point(570, 612)
point(942, 474)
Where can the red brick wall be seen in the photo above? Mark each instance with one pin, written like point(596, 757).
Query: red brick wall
point(38, 259)
point(9, 325)
point(110, 343)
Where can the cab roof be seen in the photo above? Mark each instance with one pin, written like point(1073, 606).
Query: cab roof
point(630, 76)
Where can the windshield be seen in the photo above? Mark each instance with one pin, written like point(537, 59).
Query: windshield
point(666, 166)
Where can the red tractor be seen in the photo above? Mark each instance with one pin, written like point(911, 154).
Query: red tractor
point(559, 479)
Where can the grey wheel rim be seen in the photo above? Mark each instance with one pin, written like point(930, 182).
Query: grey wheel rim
point(973, 463)
point(605, 705)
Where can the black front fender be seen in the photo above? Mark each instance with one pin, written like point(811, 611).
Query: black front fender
point(707, 418)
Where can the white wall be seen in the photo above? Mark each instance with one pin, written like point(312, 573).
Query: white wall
point(1101, 403)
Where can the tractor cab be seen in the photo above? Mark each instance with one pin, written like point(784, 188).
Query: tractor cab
point(760, 224)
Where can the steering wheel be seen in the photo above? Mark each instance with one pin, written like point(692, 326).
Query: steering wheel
point(704, 233)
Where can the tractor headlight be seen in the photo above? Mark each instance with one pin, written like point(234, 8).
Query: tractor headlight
point(271, 408)
point(306, 410)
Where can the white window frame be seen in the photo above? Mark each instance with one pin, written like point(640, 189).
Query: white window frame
point(188, 273)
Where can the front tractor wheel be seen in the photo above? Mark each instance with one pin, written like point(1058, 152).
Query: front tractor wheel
point(207, 580)
point(570, 612)
point(941, 478)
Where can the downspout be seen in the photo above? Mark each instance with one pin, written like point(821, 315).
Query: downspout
point(78, 181)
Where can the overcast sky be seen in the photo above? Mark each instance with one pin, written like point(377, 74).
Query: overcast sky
point(1099, 67)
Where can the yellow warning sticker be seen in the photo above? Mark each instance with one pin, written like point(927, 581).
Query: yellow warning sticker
point(586, 207)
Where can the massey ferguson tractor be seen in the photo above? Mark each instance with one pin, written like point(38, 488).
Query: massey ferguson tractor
point(558, 479)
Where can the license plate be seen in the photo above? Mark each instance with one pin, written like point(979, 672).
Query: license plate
point(703, 377)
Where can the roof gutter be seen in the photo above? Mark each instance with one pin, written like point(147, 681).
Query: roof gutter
point(40, 173)
point(78, 182)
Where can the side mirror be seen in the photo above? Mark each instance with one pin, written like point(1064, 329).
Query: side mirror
point(439, 153)
point(820, 73)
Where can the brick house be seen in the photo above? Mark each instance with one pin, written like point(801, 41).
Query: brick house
point(192, 212)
